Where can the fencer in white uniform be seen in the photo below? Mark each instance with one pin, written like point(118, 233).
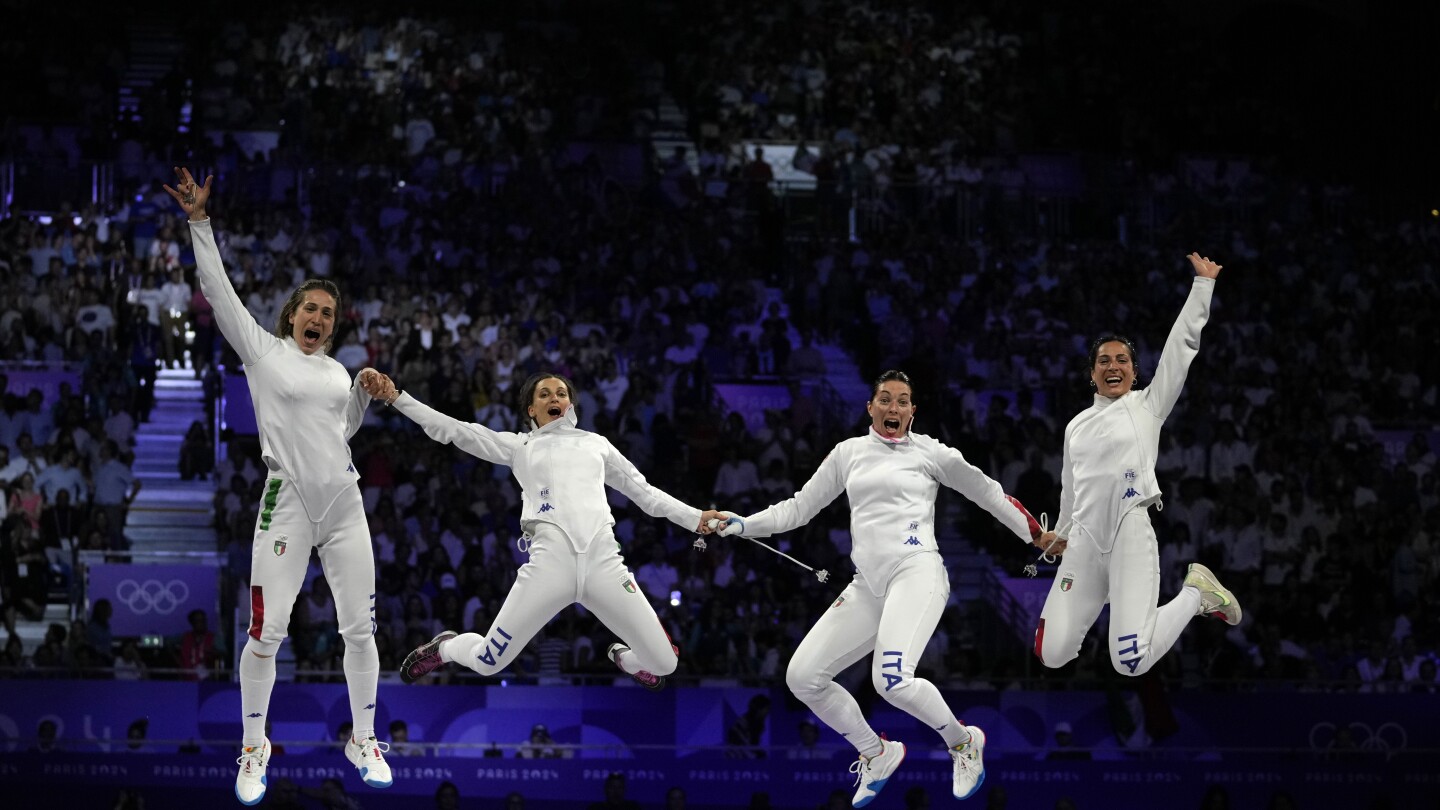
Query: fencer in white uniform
point(1108, 484)
point(569, 534)
point(891, 477)
point(306, 408)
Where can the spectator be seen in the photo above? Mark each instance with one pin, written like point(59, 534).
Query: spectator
point(116, 487)
point(540, 745)
point(199, 657)
point(744, 737)
point(447, 796)
point(615, 795)
point(47, 738)
point(1064, 742)
point(808, 747)
point(400, 745)
point(174, 315)
point(135, 738)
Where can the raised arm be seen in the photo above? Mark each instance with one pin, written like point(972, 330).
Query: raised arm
point(626, 479)
point(952, 470)
point(250, 339)
point(1184, 341)
point(477, 440)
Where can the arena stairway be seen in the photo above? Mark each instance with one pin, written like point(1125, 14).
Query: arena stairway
point(170, 514)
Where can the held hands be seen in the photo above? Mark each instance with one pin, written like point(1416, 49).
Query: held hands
point(708, 520)
point(714, 521)
point(191, 197)
point(1203, 266)
point(726, 524)
point(1051, 544)
point(378, 386)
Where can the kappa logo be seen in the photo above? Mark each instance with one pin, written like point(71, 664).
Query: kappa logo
point(350, 467)
point(281, 543)
point(912, 541)
point(546, 508)
point(629, 586)
point(1129, 493)
point(1066, 582)
point(254, 715)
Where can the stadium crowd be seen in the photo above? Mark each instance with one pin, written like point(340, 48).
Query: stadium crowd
point(1301, 464)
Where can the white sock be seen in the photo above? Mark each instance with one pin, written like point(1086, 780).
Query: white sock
point(837, 709)
point(1171, 620)
point(257, 679)
point(460, 646)
point(958, 738)
point(362, 679)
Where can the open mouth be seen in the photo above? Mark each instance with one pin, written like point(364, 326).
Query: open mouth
point(312, 335)
point(554, 411)
point(892, 425)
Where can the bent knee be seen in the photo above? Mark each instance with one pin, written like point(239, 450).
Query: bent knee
point(263, 647)
point(1054, 658)
point(1131, 668)
point(669, 661)
point(358, 642)
point(802, 681)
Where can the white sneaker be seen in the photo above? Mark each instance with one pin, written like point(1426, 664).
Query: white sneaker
point(250, 781)
point(368, 756)
point(1216, 600)
point(872, 774)
point(969, 759)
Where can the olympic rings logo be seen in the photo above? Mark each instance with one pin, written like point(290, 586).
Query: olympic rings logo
point(152, 595)
point(1388, 738)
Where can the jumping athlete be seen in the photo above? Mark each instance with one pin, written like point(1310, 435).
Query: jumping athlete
point(1107, 486)
point(568, 532)
point(307, 409)
point(891, 608)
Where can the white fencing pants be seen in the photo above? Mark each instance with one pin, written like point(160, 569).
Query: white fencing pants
point(1128, 577)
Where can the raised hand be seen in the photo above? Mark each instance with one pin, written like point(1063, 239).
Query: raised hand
point(189, 195)
point(1203, 266)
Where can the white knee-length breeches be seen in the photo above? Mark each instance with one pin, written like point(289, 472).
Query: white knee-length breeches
point(1128, 577)
point(557, 576)
point(284, 536)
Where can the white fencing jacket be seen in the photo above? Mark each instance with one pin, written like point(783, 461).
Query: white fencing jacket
point(892, 487)
point(1111, 447)
point(562, 472)
point(306, 406)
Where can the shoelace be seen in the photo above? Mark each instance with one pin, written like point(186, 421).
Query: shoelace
point(255, 754)
point(858, 768)
point(379, 748)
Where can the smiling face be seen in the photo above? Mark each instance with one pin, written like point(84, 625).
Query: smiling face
point(313, 321)
point(549, 402)
point(891, 410)
point(1113, 370)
